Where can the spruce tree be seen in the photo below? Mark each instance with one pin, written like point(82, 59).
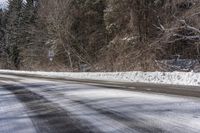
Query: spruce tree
point(13, 31)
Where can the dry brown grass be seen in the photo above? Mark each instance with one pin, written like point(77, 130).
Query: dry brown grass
point(177, 25)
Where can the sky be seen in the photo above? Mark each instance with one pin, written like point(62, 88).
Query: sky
point(3, 3)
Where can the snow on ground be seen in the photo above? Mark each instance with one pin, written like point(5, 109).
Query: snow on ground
point(121, 111)
point(13, 115)
point(174, 78)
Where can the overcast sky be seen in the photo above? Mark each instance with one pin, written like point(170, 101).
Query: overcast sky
point(3, 3)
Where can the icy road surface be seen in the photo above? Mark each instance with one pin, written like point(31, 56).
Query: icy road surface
point(30, 105)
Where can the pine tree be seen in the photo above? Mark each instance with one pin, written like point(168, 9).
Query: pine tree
point(2, 34)
point(13, 31)
point(20, 31)
point(33, 35)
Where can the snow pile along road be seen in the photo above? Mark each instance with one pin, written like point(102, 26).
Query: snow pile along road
point(175, 78)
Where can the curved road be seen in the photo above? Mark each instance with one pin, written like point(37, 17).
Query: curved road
point(31, 105)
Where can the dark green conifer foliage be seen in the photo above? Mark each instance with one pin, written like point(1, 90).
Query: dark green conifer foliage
point(14, 31)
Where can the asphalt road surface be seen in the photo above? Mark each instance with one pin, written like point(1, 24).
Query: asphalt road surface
point(31, 105)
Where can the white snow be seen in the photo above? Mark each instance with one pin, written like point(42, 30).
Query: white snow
point(13, 114)
point(172, 78)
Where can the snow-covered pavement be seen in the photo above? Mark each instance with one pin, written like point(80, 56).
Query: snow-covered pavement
point(13, 117)
point(58, 106)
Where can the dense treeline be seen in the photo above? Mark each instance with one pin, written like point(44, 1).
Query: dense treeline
point(106, 35)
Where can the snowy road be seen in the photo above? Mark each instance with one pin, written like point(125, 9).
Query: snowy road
point(30, 105)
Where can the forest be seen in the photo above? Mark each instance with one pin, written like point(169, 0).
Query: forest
point(99, 35)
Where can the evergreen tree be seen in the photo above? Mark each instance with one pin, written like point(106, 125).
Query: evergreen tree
point(13, 31)
point(20, 30)
point(2, 33)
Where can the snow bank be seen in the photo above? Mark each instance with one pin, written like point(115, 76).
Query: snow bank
point(175, 78)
